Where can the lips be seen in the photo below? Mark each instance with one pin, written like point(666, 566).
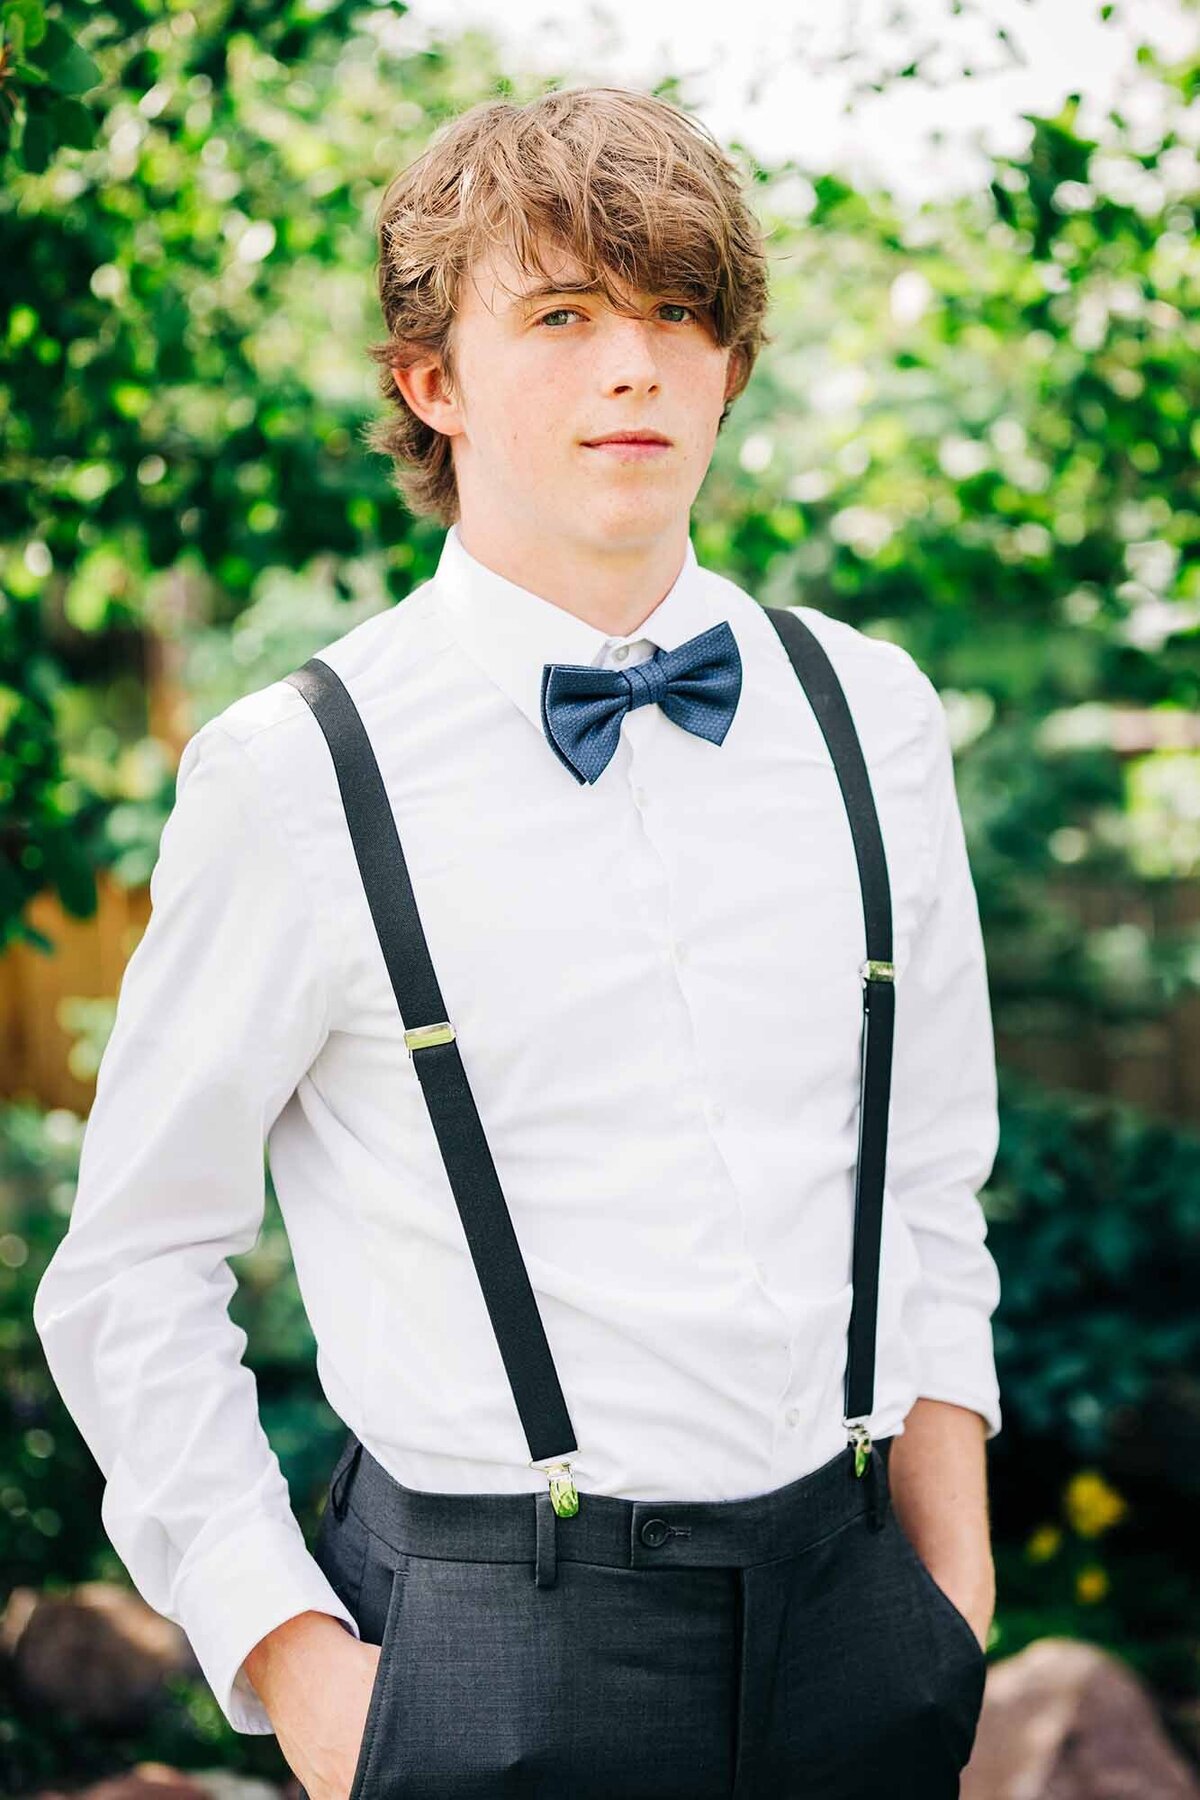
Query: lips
point(628, 437)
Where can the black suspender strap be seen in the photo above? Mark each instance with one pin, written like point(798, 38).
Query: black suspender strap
point(828, 701)
point(487, 1223)
point(430, 1038)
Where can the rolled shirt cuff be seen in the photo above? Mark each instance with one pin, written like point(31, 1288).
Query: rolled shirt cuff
point(241, 1589)
point(956, 1360)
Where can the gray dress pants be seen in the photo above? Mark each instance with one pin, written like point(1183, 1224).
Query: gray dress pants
point(788, 1644)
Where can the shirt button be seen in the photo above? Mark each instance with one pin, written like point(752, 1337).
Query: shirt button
point(681, 955)
point(621, 652)
point(792, 1415)
point(640, 795)
point(716, 1113)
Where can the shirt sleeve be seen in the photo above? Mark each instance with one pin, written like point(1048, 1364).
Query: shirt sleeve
point(944, 1123)
point(221, 1009)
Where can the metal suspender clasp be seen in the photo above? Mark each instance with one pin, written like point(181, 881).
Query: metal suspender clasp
point(878, 971)
point(564, 1497)
point(860, 1437)
point(421, 1036)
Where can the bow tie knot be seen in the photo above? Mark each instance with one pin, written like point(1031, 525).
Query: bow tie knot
point(697, 685)
point(648, 683)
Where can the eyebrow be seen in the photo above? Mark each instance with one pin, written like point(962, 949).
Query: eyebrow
point(547, 290)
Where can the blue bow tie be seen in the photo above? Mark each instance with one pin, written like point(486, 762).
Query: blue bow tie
point(697, 685)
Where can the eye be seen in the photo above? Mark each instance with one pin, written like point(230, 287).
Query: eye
point(678, 306)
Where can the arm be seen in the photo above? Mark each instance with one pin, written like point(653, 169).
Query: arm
point(938, 1477)
point(943, 1136)
point(222, 1008)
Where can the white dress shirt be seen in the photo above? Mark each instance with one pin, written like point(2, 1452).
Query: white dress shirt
point(655, 985)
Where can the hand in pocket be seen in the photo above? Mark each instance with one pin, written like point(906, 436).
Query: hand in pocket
point(320, 1713)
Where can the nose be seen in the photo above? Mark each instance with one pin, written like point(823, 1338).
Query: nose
point(628, 353)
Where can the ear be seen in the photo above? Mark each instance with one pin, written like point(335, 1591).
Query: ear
point(735, 372)
point(424, 387)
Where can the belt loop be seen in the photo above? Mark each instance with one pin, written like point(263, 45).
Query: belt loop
point(878, 1491)
point(547, 1541)
point(339, 1497)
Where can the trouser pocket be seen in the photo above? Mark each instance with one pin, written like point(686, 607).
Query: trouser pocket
point(855, 1684)
point(383, 1590)
point(367, 1575)
point(961, 1659)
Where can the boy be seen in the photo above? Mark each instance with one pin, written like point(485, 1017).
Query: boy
point(553, 934)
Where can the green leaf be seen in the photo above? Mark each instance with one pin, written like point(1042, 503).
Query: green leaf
point(27, 16)
point(73, 124)
point(54, 44)
point(76, 73)
point(71, 69)
point(24, 24)
point(37, 142)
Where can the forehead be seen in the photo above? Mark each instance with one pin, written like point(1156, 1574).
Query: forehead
point(498, 283)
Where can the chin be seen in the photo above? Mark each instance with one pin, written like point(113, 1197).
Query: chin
point(636, 500)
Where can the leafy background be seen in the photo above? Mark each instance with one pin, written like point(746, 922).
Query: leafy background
point(975, 432)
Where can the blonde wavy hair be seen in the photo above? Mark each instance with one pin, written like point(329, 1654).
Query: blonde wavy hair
point(628, 184)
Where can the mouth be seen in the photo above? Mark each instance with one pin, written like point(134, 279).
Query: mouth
point(628, 437)
point(630, 446)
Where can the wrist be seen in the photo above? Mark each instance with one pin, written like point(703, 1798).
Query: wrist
point(266, 1665)
point(959, 1548)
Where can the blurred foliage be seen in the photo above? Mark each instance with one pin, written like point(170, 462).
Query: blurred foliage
point(975, 433)
point(1094, 1215)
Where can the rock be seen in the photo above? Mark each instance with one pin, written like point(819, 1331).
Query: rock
point(146, 1781)
point(1184, 1719)
point(98, 1653)
point(158, 1781)
point(1064, 1720)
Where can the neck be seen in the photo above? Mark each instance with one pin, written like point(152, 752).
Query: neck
point(613, 590)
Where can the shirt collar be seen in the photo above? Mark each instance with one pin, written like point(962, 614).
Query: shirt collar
point(510, 632)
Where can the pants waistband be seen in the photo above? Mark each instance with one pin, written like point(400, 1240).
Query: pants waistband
point(633, 1534)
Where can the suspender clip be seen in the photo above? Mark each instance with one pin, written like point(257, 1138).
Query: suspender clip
point(860, 1437)
point(869, 1462)
point(564, 1496)
point(878, 971)
point(421, 1036)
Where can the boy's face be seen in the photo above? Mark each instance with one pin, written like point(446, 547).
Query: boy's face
point(541, 374)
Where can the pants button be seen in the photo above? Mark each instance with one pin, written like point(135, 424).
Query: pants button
point(655, 1532)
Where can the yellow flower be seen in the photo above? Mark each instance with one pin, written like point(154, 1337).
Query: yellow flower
point(1091, 1584)
point(1091, 1504)
point(1044, 1543)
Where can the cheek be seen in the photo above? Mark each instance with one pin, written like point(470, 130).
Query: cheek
point(541, 432)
